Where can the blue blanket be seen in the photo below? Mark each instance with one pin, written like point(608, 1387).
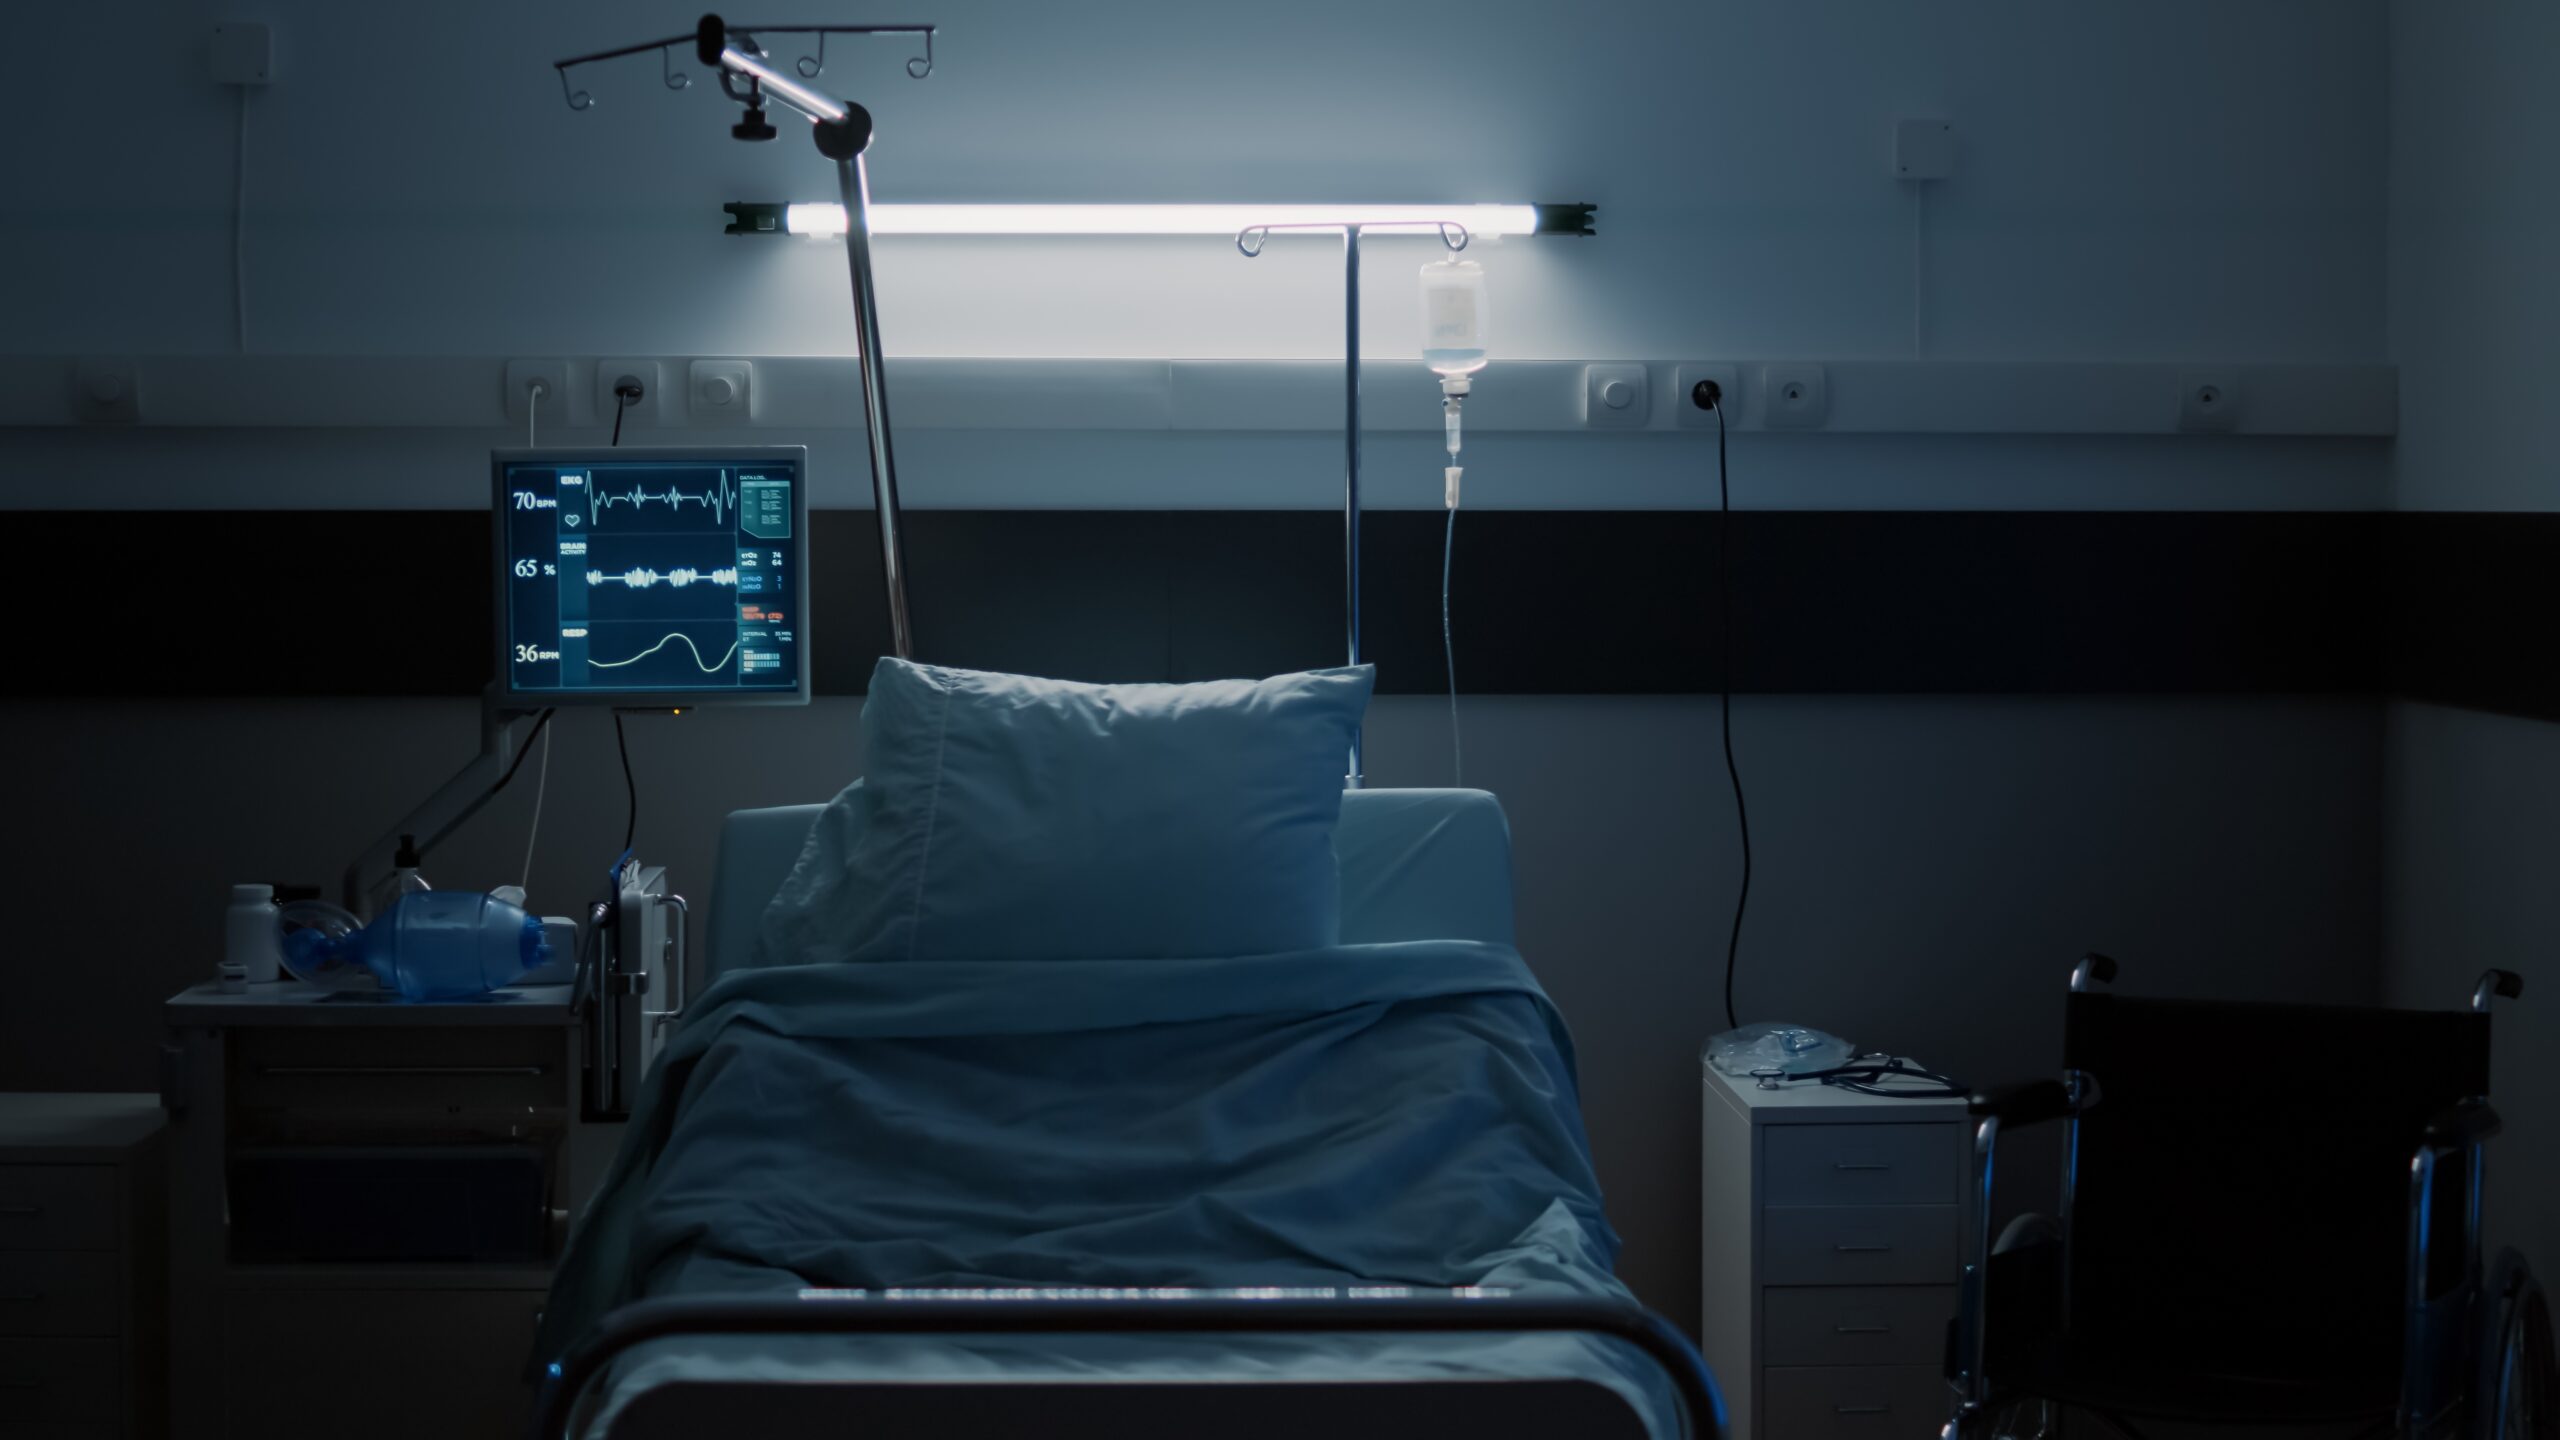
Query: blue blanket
point(1363, 1114)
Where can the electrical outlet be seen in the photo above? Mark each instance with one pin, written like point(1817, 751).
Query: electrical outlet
point(243, 53)
point(720, 392)
point(1615, 397)
point(522, 377)
point(106, 392)
point(1794, 397)
point(2208, 400)
point(1923, 149)
point(1728, 378)
point(611, 374)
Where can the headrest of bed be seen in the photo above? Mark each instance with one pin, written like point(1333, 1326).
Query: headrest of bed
point(1416, 865)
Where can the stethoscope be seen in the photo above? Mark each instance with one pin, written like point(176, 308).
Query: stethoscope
point(1873, 1073)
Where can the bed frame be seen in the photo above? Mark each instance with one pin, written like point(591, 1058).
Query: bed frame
point(1126, 1410)
point(1416, 864)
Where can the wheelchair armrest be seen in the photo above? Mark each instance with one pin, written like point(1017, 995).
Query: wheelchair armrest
point(2468, 1123)
point(2031, 1103)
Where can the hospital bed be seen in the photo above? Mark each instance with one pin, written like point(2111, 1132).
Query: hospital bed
point(708, 1339)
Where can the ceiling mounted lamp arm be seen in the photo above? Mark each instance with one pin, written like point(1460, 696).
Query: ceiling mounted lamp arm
point(809, 66)
point(842, 131)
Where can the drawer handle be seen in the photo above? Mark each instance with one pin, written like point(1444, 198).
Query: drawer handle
point(21, 1297)
point(1861, 1329)
point(21, 1209)
point(1860, 1165)
point(21, 1384)
point(524, 1070)
point(1861, 1409)
point(1860, 1249)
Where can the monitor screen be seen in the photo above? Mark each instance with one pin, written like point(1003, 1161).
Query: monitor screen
point(652, 576)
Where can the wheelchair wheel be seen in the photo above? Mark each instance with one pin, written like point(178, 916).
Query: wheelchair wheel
point(2518, 1395)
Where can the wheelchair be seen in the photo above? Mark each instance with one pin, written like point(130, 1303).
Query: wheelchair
point(2270, 1215)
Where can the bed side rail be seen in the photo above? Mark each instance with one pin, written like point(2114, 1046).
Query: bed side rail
point(1380, 1310)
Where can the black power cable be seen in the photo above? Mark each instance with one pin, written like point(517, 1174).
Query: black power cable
point(1708, 395)
point(626, 393)
point(530, 736)
point(630, 789)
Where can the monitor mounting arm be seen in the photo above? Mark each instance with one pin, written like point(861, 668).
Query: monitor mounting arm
point(502, 738)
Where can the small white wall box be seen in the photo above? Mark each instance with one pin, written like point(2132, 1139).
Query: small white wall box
point(1923, 149)
point(244, 53)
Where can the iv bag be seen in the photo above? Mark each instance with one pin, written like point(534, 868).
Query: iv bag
point(1455, 321)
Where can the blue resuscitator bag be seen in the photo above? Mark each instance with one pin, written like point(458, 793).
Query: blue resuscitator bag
point(430, 945)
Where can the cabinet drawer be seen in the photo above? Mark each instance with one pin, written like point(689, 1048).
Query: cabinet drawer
point(1858, 1245)
point(57, 1207)
point(476, 1387)
point(62, 1292)
point(1855, 1324)
point(1916, 1164)
point(428, 1070)
point(1853, 1402)
point(57, 1380)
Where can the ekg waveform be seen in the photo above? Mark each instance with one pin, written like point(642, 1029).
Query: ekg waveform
point(643, 578)
point(719, 500)
point(708, 668)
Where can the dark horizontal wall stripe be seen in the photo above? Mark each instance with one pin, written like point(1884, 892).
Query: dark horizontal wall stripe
point(1548, 602)
point(2475, 611)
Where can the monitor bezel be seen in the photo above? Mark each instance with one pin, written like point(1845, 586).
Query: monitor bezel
point(797, 456)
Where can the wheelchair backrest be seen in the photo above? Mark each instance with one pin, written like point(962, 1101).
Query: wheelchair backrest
point(2241, 1187)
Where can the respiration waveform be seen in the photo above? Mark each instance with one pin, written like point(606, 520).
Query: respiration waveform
point(643, 578)
point(719, 500)
point(713, 667)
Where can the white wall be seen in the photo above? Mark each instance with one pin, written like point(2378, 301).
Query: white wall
point(2474, 800)
point(419, 187)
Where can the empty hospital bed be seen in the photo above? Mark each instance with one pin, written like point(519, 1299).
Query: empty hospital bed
point(774, 1256)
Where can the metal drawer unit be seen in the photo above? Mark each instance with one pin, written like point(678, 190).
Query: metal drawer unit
point(82, 1279)
point(1831, 1250)
point(353, 1166)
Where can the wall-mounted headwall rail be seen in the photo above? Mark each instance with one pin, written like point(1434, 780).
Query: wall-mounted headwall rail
point(950, 393)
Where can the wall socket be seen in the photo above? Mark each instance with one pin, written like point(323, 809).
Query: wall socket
point(1794, 397)
point(522, 376)
point(1728, 378)
point(106, 392)
point(720, 392)
point(611, 373)
point(2208, 400)
point(1616, 397)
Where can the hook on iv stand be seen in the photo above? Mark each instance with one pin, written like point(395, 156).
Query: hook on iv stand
point(1249, 243)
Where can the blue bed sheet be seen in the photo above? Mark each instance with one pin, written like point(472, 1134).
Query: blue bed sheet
point(1366, 1114)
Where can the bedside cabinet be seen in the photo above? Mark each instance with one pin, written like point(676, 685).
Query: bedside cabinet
point(386, 1181)
point(1832, 1249)
point(82, 1284)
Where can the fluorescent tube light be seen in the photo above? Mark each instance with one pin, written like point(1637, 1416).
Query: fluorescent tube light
point(1481, 221)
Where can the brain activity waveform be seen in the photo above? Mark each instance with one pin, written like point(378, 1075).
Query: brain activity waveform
point(643, 578)
point(711, 667)
point(719, 500)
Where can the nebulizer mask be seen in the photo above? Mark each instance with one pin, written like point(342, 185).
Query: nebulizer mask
point(1788, 1049)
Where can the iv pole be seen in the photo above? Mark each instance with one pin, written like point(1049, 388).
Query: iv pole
point(1250, 241)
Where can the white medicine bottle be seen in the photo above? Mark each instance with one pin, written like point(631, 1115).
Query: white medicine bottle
point(1455, 321)
point(253, 936)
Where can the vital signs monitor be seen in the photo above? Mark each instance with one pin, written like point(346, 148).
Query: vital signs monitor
point(652, 577)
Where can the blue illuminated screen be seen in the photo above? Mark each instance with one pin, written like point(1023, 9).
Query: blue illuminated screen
point(679, 576)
